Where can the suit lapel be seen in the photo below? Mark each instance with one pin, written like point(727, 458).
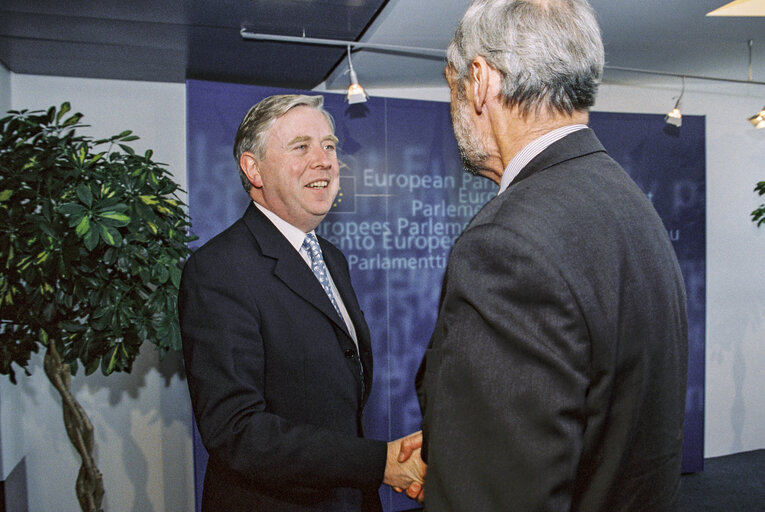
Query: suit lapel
point(342, 280)
point(290, 267)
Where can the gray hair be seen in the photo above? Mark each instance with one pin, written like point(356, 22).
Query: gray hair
point(254, 128)
point(549, 52)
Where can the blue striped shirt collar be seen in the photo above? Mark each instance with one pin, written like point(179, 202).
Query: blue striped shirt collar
point(532, 149)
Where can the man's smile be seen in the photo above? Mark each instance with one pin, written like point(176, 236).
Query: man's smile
point(318, 184)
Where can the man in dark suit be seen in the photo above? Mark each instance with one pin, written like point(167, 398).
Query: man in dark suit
point(277, 350)
point(555, 377)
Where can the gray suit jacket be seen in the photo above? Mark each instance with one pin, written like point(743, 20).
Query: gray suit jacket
point(555, 377)
point(274, 376)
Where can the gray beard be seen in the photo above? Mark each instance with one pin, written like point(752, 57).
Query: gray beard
point(472, 153)
point(468, 164)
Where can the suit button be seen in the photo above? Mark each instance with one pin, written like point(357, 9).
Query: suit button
point(349, 353)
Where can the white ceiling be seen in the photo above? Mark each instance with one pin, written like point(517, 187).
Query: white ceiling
point(671, 36)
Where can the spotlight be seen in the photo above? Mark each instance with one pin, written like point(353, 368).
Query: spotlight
point(674, 117)
point(356, 92)
point(758, 120)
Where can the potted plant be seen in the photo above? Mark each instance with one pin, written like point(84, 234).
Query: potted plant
point(91, 245)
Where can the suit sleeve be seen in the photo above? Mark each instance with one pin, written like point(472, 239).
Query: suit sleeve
point(224, 357)
point(505, 378)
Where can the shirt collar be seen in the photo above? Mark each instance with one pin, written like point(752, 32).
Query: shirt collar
point(532, 149)
point(294, 235)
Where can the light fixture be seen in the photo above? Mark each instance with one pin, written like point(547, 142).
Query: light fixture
point(674, 117)
point(356, 92)
point(740, 8)
point(758, 120)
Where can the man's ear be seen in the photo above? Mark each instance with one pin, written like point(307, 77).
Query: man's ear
point(249, 165)
point(480, 73)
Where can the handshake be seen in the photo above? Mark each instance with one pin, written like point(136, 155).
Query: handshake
point(404, 468)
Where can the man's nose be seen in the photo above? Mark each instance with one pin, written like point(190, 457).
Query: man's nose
point(321, 157)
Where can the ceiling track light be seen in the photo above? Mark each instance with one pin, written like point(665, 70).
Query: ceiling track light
point(674, 117)
point(429, 53)
point(758, 120)
point(386, 48)
point(356, 93)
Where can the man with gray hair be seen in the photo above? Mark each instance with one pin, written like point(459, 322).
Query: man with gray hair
point(555, 375)
point(277, 351)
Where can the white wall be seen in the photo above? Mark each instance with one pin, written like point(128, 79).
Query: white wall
point(141, 420)
point(5, 90)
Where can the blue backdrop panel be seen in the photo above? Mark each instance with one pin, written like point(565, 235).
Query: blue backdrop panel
point(403, 200)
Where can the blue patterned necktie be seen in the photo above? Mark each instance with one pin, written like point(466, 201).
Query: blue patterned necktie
point(311, 246)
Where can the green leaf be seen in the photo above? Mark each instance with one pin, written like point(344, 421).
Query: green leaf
point(110, 235)
point(85, 195)
point(109, 361)
point(127, 149)
point(92, 366)
point(117, 219)
point(91, 240)
point(65, 107)
point(73, 209)
point(144, 211)
point(95, 159)
point(175, 276)
point(145, 275)
point(48, 230)
point(5, 195)
point(123, 264)
point(83, 227)
point(72, 120)
point(116, 359)
point(100, 324)
point(101, 310)
point(110, 202)
point(162, 273)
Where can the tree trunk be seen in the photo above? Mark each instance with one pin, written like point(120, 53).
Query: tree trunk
point(90, 486)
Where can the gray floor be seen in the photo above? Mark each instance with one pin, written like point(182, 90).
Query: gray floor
point(733, 483)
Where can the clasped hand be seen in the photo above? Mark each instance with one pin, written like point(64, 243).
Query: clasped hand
point(404, 468)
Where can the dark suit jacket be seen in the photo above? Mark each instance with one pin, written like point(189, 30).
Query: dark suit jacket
point(274, 376)
point(555, 377)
